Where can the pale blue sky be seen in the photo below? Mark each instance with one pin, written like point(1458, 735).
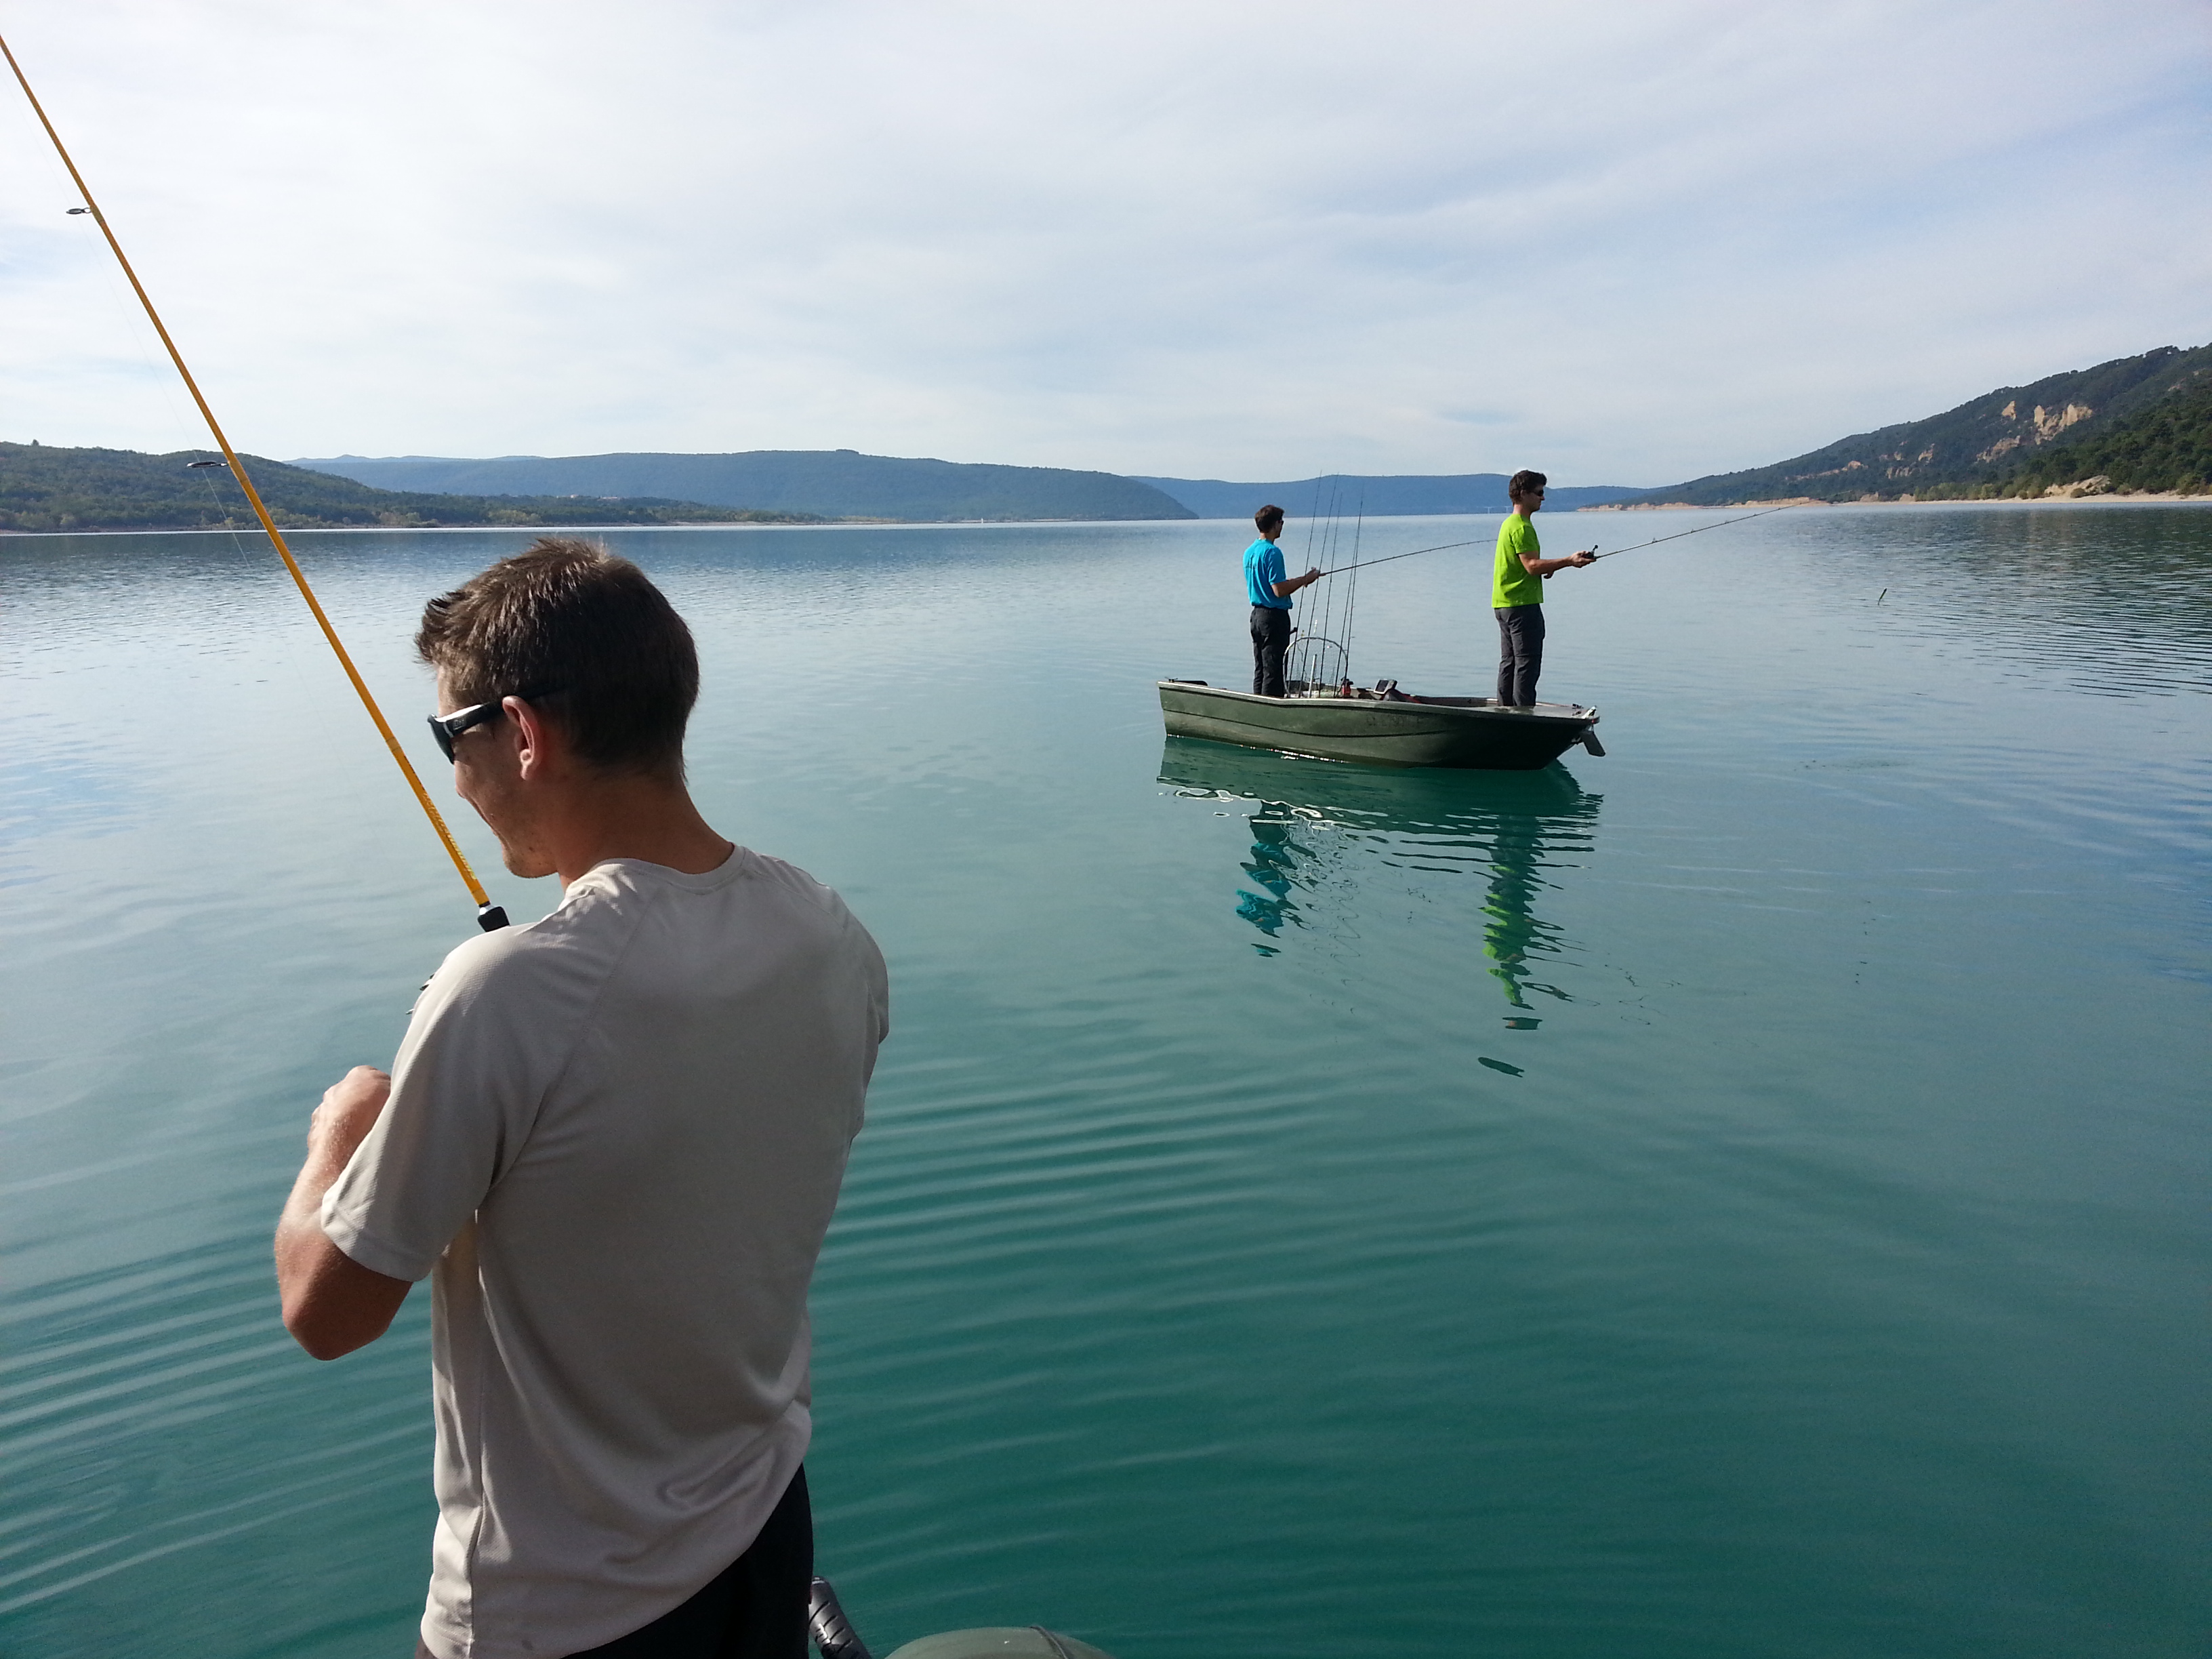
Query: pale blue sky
point(1627, 242)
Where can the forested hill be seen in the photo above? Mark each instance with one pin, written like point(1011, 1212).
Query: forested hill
point(2167, 447)
point(1992, 445)
point(43, 487)
point(1382, 496)
point(832, 483)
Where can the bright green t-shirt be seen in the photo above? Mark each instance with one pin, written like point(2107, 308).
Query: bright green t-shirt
point(1515, 583)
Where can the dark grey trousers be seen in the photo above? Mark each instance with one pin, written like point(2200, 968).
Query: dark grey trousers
point(1271, 637)
point(1520, 652)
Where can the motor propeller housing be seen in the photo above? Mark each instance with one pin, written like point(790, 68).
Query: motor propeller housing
point(835, 1638)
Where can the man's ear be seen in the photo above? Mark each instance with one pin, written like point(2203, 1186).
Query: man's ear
point(535, 742)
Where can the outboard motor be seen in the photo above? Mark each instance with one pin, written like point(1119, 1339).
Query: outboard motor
point(835, 1637)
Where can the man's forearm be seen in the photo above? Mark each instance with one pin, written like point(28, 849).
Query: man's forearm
point(301, 1224)
point(332, 1304)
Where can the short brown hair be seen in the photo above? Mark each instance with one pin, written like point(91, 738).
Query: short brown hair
point(567, 621)
point(1267, 519)
point(1525, 483)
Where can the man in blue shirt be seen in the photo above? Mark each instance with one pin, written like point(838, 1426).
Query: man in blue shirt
point(1269, 588)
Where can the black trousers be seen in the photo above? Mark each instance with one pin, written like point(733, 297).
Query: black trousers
point(756, 1609)
point(1271, 637)
point(1520, 652)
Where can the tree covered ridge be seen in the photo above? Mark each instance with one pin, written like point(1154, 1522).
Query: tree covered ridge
point(2006, 442)
point(45, 487)
point(832, 482)
point(2167, 447)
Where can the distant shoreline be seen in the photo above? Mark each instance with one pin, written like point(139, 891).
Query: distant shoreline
point(2114, 498)
point(291, 531)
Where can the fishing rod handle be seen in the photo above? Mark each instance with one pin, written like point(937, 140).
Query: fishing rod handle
point(832, 1630)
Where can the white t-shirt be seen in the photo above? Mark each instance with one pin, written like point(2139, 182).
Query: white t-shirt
point(615, 1136)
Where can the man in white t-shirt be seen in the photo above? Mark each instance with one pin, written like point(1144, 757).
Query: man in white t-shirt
point(612, 1140)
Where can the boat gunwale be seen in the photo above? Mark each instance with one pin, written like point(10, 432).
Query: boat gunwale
point(1473, 708)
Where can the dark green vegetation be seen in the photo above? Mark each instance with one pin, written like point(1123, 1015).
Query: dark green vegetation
point(2137, 423)
point(2167, 445)
point(43, 487)
point(1382, 497)
point(831, 483)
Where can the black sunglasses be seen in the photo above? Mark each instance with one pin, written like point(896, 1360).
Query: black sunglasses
point(444, 728)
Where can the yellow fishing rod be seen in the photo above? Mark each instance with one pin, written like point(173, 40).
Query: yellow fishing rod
point(489, 915)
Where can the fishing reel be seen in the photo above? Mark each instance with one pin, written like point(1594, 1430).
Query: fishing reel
point(835, 1638)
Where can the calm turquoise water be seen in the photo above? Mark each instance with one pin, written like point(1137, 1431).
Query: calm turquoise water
point(1742, 1196)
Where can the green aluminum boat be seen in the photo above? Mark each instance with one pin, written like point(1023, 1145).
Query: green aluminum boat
point(1455, 731)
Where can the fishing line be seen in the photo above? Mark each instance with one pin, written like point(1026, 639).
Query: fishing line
point(1351, 586)
point(131, 320)
point(289, 661)
point(1302, 610)
point(1316, 621)
point(1313, 642)
point(1679, 534)
point(1387, 557)
point(489, 915)
point(1697, 530)
point(1329, 536)
point(1332, 622)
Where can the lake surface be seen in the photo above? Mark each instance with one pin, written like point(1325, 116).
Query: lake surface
point(1741, 1196)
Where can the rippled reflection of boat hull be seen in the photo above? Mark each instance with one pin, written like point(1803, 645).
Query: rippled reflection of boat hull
point(1410, 802)
point(1404, 801)
point(1452, 732)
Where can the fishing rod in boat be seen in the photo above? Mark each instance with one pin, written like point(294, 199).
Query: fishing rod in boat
point(490, 916)
point(1595, 554)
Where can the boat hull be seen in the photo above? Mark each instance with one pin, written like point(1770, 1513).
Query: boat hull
point(1465, 732)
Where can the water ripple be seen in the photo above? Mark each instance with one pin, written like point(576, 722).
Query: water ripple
point(1743, 1190)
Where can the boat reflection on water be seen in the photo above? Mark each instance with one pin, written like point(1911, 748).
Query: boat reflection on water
point(1330, 840)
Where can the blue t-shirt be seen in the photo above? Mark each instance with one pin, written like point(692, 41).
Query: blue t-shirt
point(1263, 567)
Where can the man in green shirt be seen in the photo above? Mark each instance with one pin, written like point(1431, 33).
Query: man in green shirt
point(1516, 592)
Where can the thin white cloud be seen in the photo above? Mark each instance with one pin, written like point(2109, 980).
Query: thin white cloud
point(1627, 242)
